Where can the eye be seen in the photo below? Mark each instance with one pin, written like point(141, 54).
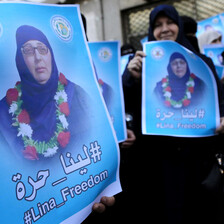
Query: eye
point(28, 50)
point(170, 21)
point(157, 24)
point(42, 49)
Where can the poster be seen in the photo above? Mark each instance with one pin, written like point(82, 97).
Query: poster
point(215, 22)
point(106, 59)
point(124, 62)
point(59, 152)
point(179, 92)
point(215, 52)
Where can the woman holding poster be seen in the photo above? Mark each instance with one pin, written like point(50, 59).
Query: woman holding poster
point(176, 165)
point(39, 113)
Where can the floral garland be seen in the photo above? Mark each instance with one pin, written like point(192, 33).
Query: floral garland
point(21, 120)
point(186, 100)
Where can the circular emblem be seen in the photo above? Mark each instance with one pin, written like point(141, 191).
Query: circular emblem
point(62, 28)
point(105, 54)
point(210, 54)
point(215, 21)
point(157, 52)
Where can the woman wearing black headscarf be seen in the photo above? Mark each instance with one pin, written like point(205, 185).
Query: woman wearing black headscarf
point(44, 112)
point(175, 166)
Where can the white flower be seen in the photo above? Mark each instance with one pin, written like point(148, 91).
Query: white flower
point(13, 108)
point(101, 89)
point(61, 94)
point(167, 94)
point(190, 83)
point(50, 152)
point(63, 120)
point(25, 130)
point(188, 94)
point(164, 84)
point(178, 105)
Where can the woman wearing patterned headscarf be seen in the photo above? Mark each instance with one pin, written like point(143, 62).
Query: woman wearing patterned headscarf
point(44, 111)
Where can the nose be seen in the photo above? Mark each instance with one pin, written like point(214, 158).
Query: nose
point(178, 64)
point(164, 27)
point(37, 54)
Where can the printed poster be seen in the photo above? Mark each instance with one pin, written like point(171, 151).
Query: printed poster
point(179, 92)
point(215, 23)
point(106, 59)
point(124, 62)
point(59, 152)
point(215, 52)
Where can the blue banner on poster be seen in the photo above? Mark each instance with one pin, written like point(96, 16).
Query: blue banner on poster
point(106, 59)
point(179, 92)
point(59, 152)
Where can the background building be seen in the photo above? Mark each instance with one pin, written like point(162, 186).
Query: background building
point(128, 20)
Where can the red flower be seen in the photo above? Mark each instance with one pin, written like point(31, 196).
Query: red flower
point(164, 80)
point(62, 79)
point(186, 102)
point(24, 117)
point(64, 108)
point(100, 81)
point(168, 89)
point(193, 76)
point(63, 138)
point(30, 153)
point(12, 95)
point(18, 83)
point(191, 89)
point(167, 103)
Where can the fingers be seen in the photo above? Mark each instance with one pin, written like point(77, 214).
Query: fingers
point(140, 53)
point(220, 129)
point(99, 207)
point(130, 140)
point(104, 202)
point(131, 135)
point(135, 65)
point(108, 201)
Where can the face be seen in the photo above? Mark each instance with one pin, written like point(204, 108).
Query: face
point(179, 67)
point(165, 29)
point(38, 60)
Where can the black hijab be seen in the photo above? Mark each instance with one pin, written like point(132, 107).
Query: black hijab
point(172, 13)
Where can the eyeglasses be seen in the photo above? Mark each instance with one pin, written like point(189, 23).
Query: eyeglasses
point(29, 50)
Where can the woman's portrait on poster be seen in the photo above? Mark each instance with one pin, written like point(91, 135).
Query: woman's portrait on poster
point(44, 111)
point(180, 88)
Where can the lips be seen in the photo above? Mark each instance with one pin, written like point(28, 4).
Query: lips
point(40, 69)
point(167, 37)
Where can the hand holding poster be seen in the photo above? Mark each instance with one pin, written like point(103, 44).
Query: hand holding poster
point(59, 152)
point(179, 92)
